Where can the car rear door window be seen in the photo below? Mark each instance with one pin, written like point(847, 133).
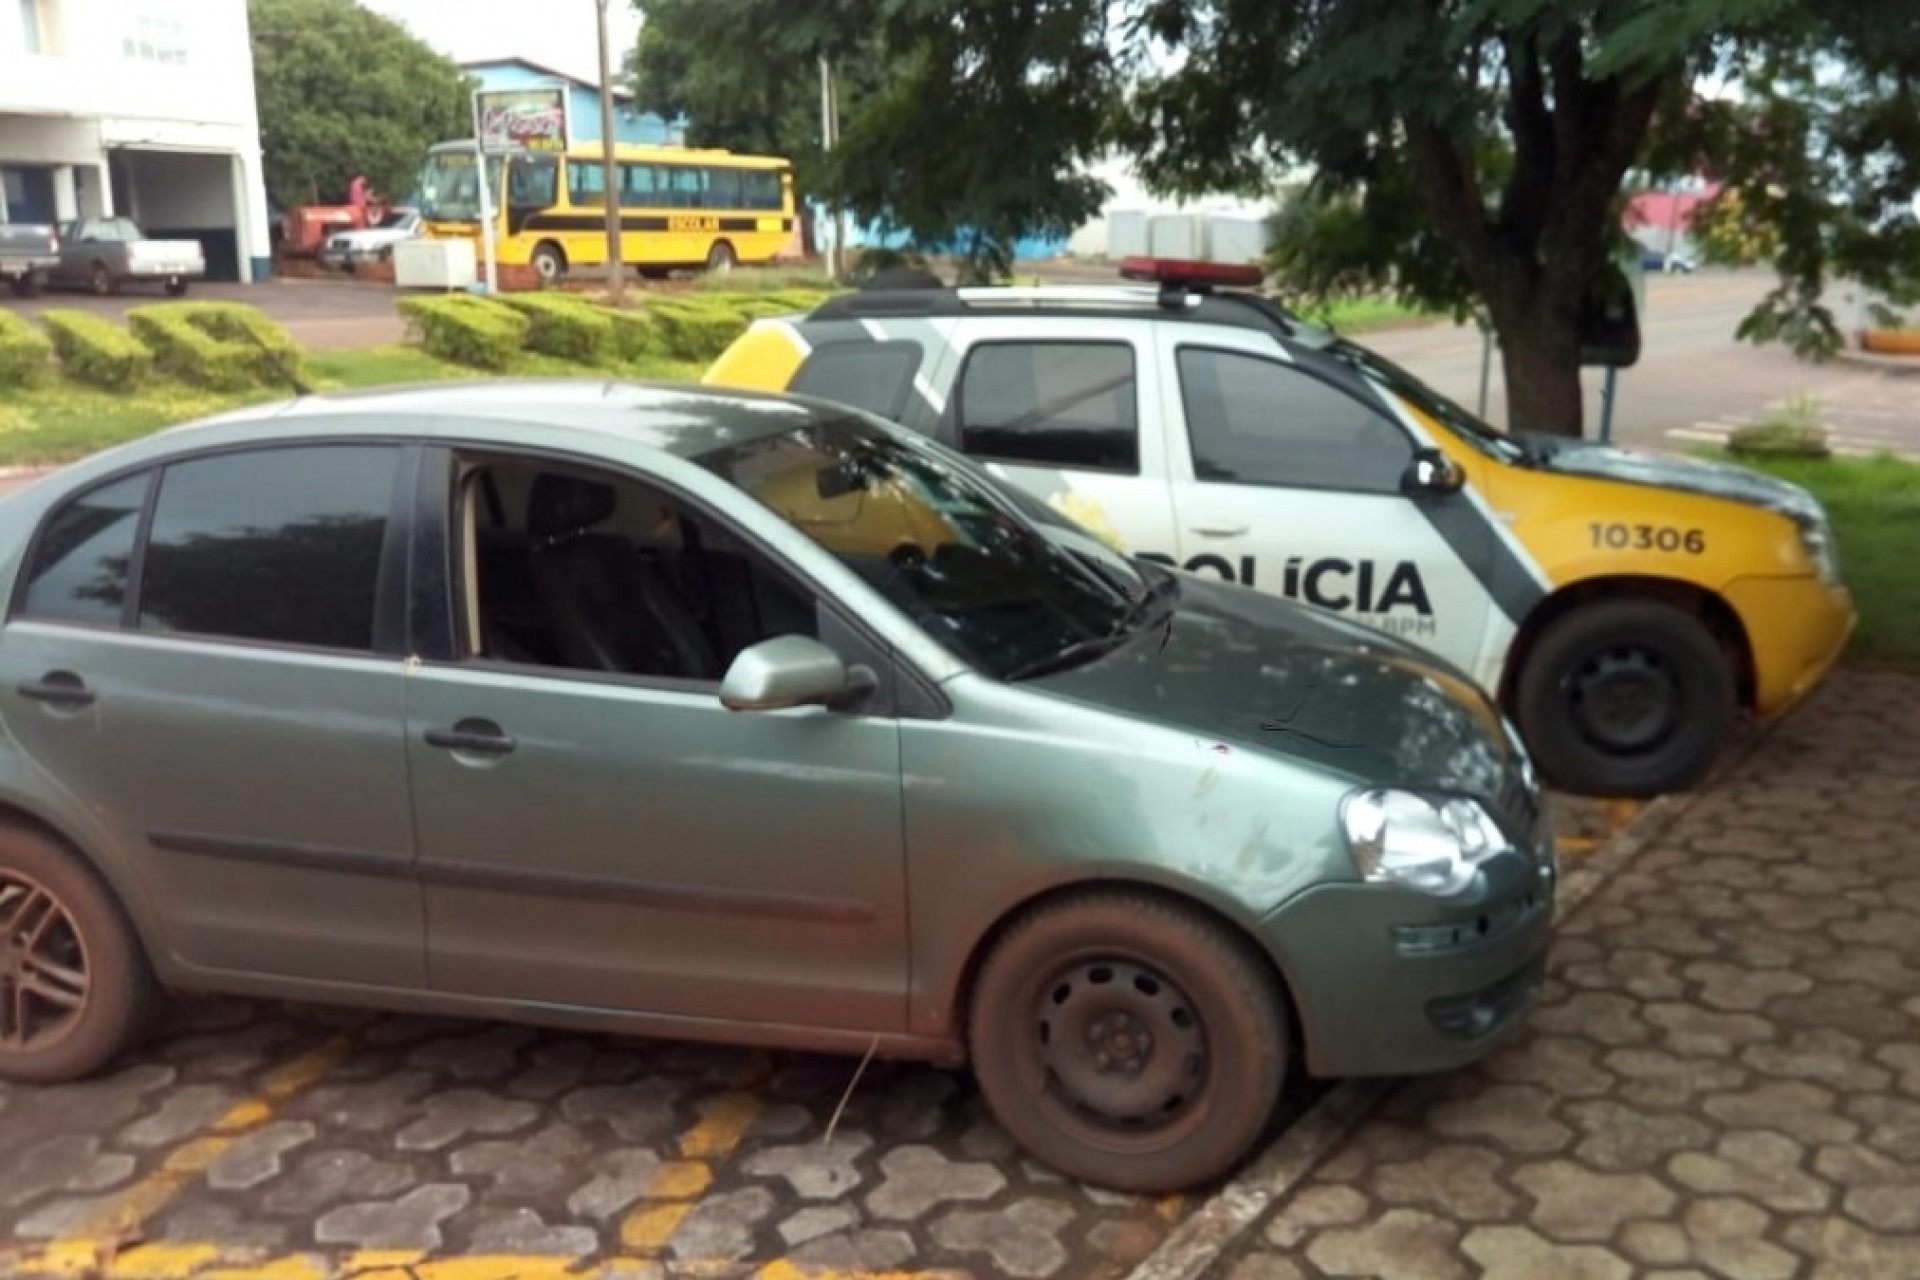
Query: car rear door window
point(1256, 421)
point(874, 376)
point(1063, 404)
point(276, 545)
point(81, 558)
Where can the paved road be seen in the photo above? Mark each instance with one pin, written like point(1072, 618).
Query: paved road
point(1725, 1077)
point(1693, 381)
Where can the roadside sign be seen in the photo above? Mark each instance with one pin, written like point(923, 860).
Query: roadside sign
point(528, 119)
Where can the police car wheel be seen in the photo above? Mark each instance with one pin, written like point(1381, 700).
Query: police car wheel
point(1626, 698)
point(1128, 1041)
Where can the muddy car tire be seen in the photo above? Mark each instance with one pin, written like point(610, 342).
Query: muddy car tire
point(1626, 698)
point(75, 987)
point(1129, 1041)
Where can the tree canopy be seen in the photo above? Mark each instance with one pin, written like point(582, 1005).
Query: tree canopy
point(341, 91)
point(1469, 154)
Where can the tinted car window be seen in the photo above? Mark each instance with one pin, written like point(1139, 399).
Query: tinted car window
point(1067, 404)
point(279, 545)
point(79, 571)
point(875, 376)
point(1257, 421)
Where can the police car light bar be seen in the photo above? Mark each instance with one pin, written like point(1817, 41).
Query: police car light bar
point(1183, 273)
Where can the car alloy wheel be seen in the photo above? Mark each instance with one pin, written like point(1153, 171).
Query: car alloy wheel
point(44, 979)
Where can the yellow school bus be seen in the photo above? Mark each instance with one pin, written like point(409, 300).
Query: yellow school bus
point(679, 206)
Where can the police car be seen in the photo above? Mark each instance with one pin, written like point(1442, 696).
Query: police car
point(1626, 609)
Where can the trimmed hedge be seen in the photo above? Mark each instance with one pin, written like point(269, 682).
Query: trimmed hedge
point(466, 330)
point(187, 352)
point(697, 327)
point(569, 328)
point(274, 355)
point(96, 351)
point(25, 353)
point(635, 334)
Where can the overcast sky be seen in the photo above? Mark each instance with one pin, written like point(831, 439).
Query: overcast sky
point(558, 33)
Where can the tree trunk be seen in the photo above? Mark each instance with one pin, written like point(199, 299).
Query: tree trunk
point(1540, 356)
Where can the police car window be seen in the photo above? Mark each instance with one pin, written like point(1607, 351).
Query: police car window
point(1255, 421)
point(874, 376)
point(1061, 404)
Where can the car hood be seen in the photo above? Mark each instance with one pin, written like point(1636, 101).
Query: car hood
point(1249, 670)
point(1689, 475)
point(373, 235)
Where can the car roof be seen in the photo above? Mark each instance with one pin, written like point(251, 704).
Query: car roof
point(678, 419)
point(1231, 308)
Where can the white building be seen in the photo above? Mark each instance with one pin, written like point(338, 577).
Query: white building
point(143, 108)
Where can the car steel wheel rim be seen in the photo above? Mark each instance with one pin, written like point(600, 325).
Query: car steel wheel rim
point(1121, 1045)
point(44, 982)
point(1625, 699)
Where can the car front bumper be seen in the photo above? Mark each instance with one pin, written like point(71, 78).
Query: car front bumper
point(1389, 981)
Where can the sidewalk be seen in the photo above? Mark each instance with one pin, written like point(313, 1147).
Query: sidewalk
point(1724, 1077)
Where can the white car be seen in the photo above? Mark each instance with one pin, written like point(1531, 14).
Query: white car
point(350, 249)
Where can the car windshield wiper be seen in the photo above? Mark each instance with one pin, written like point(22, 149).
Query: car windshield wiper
point(1124, 627)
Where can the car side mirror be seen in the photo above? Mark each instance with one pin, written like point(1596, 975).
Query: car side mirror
point(1432, 471)
point(789, 671)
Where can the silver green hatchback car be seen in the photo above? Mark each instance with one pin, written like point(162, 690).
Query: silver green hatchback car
point(741, 718)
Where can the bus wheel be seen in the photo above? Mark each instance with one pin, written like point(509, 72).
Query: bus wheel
point(720, 258)
point(549, 261)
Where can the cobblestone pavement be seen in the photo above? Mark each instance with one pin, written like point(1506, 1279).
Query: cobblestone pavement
point(1724, 1077)
point(250, 1141)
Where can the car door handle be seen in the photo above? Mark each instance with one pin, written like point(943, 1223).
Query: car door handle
point(1218, 530)
point(479, 737)
point(60, 688)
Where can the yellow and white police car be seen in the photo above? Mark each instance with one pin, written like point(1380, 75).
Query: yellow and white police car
point(1625, 608)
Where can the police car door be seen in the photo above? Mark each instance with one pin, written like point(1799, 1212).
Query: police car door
point(1063, 407)
point(1288, 478)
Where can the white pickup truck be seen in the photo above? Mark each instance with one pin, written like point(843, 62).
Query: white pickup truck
point(102, 254)
point(28, 253)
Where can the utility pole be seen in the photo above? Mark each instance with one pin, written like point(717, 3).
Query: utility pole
point(610, 193)
point(829, 139)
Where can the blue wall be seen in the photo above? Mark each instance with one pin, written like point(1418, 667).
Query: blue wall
point(583, 106)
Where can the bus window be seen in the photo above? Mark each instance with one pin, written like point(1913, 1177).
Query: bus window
point(723, 188)
point(685, 186)
point(760, 188)
point(532, 183)
point(586, 182)
point(637, 185)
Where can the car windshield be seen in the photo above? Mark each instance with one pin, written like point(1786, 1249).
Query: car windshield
point(449, 186)
point(396, 218)
point(1009, 594)
point(1482, 436)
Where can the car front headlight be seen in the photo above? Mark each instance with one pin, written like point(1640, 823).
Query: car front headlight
point(1433, 844)
point(1816, 538)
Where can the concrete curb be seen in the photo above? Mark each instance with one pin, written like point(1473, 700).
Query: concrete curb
point(26, 473)
point(1226, 1215)
point(1892, 366)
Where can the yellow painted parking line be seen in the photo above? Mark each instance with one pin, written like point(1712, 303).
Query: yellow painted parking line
point(677, 1188)
point(121, 1217)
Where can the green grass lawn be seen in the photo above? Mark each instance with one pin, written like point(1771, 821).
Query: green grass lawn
point(1348, 316)
point(63, 420)
point(1875, 507)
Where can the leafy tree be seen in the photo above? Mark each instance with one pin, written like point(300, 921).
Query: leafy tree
point(965, 125)
point(1821, 152)
point(1464, 154)
point(342, 91)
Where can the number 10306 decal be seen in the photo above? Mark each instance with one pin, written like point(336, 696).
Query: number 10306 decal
point(1648, 537)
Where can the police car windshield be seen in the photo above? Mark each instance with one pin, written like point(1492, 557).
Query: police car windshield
point(943, 541)
point(1479, 434)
